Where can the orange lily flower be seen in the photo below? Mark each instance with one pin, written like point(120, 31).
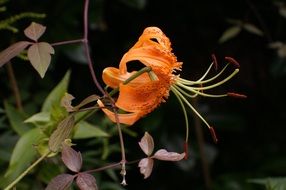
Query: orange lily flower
point(143, 94)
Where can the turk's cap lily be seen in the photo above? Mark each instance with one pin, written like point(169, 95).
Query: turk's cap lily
point(140, 95)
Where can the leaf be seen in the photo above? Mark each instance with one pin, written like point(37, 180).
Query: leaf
point(66, 102)
point(138, 4)
point(87, 100)
point(71, 158)
point(147, 144)
point(48, 171)
point(39, 55)
point(61, 133)
point(163, 154)
point(86, 181)
point(229, 33)
point(23, 153)
point(282, 9)
point(54, 98)
point(146, 166)
point(34, 31)
point(252, 29)
point(12, 51)
point(86, 130)
point(271, 183)
point(39, 118)
point(60, 182)
point(16, 119)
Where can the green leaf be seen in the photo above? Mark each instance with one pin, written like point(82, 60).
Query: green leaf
point(138, 4)
point(252, 29)
point(61, 133)
point(34, 31)
point(230, 33)
point(39, 118)
point(54, 98)
point(86, 130)
point(23, 154)
point(16, 119)
point(39, 55)
point(277, 183)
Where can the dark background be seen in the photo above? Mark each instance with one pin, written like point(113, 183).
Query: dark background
point(251, 131)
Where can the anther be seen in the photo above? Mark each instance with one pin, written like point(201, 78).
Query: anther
point(233, 61)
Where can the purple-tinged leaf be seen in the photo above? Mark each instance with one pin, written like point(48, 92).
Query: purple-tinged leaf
point(61, 133)
point(163, 154)
point(39, 55)
point(147, 144)
point(60, 182)
point(66, 102)
point(71, 158)
point(146, 166)
point(87, 100)
point(12, 51)
point(86, 181)
point(34, 31)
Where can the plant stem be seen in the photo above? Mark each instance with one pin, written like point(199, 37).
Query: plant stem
point(137, 74)
point(11, 185)
point(109, 166)
point(67, 42)
point(200, 139)
point(86, 47)
point(14, 86)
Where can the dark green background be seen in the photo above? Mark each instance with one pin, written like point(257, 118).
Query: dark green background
point(251, 131)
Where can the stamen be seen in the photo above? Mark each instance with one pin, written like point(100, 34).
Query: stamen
point(219, 83)
point(236, 95)
point(185, 93)
point(213, 134)
point(233, 61)
point(206, 73)
point(187, 82)
point(214, 61)
point(197, 92)
point(190, 106)
point(178, 96)
point(186, 150)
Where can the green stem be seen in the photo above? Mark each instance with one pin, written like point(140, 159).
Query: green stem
point(26, 171)
point(137, 74)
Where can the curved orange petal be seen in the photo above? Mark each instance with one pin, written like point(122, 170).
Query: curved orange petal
point(128, 118)
point(151, 56)
point(145, 97)
point(151, 33)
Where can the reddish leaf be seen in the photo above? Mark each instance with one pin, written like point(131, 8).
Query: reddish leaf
point(60, 182)
point(147, 144)
point(146, 166)
point(66, 102)
point(39, 55)
point(163, 154)
point(34, 31)
point(12, 51)
point(86, 181)
point(87, 100)
point(61, 133)
point(71, 158)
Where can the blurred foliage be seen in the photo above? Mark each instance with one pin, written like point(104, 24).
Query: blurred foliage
point(251, 132)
